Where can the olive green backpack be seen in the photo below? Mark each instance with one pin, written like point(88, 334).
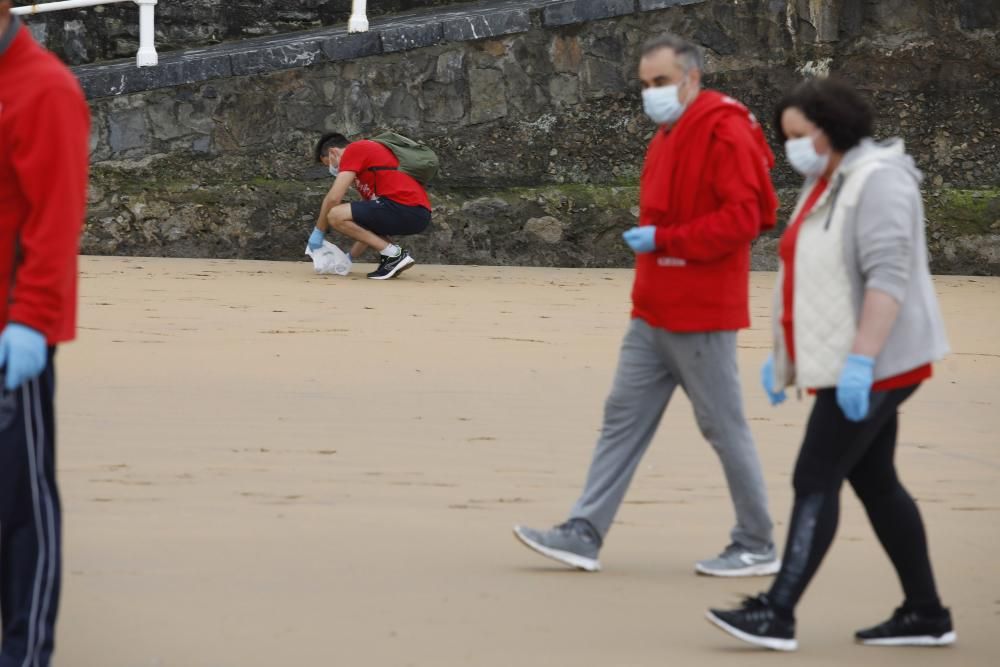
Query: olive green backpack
point(415, 157)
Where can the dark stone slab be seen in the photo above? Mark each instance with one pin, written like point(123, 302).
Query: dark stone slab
point(579, 11)
point(116, 80)
point(650, 5)
point(279, 57)
point(411, 36)
point(124, 78)
point(713, 37)
point(352, 46)
point(127, 130)
point(979, 15)
point(99, 82)
point(486, 25)
point(175, 72)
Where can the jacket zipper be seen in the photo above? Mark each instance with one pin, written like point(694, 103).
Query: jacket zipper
point(833, 201)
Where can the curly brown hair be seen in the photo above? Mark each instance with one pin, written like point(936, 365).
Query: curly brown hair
point(833, 105)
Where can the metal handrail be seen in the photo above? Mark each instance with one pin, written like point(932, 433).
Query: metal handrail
point(146, 57)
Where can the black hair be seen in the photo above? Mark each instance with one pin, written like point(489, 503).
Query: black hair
point(328, 141)
point(689, 54)
point(834, 106)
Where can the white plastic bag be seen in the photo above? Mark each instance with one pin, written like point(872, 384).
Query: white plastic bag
point(329, 259)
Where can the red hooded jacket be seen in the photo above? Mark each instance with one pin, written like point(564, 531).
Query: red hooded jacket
point(44, 154)
point(706, 187)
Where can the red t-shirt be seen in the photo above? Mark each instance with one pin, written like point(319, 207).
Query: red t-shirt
point(389, 183)
point(786, 250)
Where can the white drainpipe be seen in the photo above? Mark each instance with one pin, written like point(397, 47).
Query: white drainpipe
point(359, 19)
point(147, 48)
point(147, 33)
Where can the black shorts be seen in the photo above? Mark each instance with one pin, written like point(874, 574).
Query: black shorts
point(387, 218)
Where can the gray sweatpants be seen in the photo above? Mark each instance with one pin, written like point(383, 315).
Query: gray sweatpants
point(653, 363)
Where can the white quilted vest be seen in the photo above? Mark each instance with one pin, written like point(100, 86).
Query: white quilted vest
point(825, 320)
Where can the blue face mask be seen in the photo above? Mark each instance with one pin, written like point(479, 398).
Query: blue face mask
point(334, 170)
point(662, 104)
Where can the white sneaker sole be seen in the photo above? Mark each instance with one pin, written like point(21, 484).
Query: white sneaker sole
point(406, 263)
point(764, 642)
point(760, 570)
point(565, 557)
point(947, 639)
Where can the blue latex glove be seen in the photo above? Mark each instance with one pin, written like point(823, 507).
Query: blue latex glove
point(855, 385)
point(767, 378)
point(641, 239)
point(316, 239)
point(23, 351)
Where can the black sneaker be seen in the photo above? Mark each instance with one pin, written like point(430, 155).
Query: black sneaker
point(757, 623)
point(390, 267)
point(909, 627)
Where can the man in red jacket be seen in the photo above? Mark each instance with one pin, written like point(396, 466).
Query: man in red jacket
point(705, 195)
point(44, 130)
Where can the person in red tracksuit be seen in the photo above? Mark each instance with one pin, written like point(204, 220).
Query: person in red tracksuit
point(705, 195)
point(44, 137)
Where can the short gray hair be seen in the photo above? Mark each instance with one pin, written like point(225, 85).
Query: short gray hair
point(689, 54)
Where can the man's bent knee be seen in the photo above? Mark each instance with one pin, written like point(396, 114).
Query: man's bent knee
point(339, 217)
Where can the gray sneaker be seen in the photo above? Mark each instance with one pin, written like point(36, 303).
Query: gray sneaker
point(738, 561)
point(574, 543)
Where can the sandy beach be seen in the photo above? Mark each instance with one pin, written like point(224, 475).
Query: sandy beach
point(263, 467)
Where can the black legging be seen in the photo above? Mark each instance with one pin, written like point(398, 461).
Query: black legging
point(835, 449)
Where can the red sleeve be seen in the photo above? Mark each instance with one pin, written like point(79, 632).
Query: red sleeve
point(50, 157)
point(735, 223)
point(355, 157)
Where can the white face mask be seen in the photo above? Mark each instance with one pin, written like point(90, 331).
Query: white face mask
point(802, 155)
point(662, 104)
point(333, 165)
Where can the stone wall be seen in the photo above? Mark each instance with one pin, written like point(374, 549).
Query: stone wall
point(540, 131)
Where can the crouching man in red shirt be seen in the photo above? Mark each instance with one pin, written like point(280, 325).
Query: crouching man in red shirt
point(705, 195)
point(393, 202)
point(44, 130)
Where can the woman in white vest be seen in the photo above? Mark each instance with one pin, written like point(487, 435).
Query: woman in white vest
point(857, 323)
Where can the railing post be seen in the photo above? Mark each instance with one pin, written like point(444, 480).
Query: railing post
point(147, 34)
point(359, 18)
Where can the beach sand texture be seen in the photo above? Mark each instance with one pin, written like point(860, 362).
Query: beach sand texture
point(261, 467)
